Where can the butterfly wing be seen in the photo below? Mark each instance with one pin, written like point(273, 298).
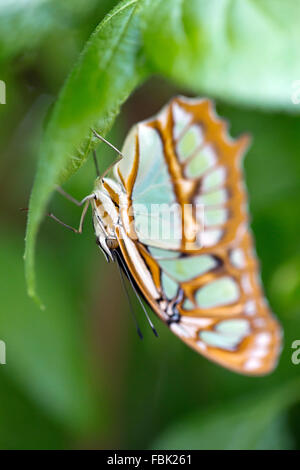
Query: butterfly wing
point(199, 273)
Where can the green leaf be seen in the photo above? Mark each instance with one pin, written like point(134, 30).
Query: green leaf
point(244, 51)
point(251, 423)
point(107, 71)
point(46, 354)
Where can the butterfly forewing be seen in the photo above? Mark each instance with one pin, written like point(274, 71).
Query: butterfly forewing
point(198, 272)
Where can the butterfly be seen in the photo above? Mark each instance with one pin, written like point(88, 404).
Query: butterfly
point(174, 208)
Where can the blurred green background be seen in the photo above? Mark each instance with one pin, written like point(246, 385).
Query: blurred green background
point(77, 375)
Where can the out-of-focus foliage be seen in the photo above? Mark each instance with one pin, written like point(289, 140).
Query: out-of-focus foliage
point(247, 424)
point(24, 24)
point(76, 373)
point(65, 386)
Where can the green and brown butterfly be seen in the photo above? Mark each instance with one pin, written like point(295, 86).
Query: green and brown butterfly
point(199, 274)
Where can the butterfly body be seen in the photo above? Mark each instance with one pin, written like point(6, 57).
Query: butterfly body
point(176, 208)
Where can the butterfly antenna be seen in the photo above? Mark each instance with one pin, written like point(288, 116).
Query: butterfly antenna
point(111, 146)
point(136, 293)
point(129, 300)
point(96, 163)
point(107, 143)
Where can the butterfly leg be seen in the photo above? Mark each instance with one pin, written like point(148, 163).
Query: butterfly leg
point(83, 214)
point(85, 202)
point(71, 198)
